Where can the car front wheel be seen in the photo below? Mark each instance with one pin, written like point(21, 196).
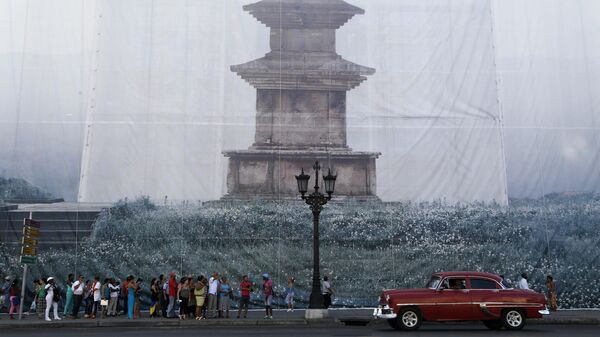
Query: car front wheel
point(513, 319)
point(409, 319)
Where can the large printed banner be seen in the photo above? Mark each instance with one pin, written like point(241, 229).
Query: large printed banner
point(463, 134)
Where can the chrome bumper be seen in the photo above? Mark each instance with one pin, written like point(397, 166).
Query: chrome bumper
point(384, 312)
point(544, 311)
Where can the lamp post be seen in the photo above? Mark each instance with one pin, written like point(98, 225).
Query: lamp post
point(316, 201)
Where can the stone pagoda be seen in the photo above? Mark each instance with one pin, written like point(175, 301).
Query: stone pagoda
point(301, 87)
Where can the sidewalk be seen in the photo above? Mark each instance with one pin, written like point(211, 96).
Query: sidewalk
point(338, 317)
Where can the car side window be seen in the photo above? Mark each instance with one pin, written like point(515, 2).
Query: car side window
point(478, 283)
point(454, 283)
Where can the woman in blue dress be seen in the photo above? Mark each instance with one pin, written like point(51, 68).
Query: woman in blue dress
point(131, 288)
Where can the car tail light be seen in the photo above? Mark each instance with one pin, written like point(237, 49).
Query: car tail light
point(383, 299)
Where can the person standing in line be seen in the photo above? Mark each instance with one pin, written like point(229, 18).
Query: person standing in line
point(289, 297)
point(114, 297)
point(268, 295)
point(105, 297)
point(172, 295)
point(225, 294)
point(200, 295)
point(6, 291)
point(137, 305)
point(120, 308)
point(77, 288)
point(551, 289)
point(14, 293)
point(245, 289)
point(191, 309)
point(125, 291)
point(523, 282)
point(40, 297)
point(183, 294)
point(205, 306)
point(159, 297)
point(131, 287)
point(52, 298)
point(154, 298)
point(34, 302)
point(95, 296)
point(328, 292)
point(69, 295)
point(164, 297)
point(88, 297)
point(213, 288)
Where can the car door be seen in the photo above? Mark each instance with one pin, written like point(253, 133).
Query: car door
point(483, 292)
point(453, 300)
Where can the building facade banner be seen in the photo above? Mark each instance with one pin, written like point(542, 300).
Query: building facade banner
point(444, 121)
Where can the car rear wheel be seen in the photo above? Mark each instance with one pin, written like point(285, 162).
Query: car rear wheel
point(493, 324)
point(409, 319)
point(513, 319)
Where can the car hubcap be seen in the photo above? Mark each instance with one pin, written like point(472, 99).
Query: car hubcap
point(410, 319)
point(513, 318)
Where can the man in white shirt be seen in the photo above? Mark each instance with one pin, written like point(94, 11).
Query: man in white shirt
point(114, 297)
point(523, 282)
point(77, 288)
point(213, 288)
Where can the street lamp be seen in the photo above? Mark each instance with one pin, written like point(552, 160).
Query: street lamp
point(316, 201)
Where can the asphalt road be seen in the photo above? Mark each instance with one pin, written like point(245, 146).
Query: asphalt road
point(290, 331)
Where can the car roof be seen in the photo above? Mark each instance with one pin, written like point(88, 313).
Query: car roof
point(469, 273)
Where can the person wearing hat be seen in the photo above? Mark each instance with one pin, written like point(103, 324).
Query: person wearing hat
point(52, 298)
point(268, 295)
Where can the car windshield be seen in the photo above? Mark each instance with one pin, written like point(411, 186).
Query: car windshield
point(433, 283)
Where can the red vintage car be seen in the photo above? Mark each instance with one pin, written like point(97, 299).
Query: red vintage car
point(461, 296)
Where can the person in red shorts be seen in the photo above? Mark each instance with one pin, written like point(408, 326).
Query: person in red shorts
point(245, 289)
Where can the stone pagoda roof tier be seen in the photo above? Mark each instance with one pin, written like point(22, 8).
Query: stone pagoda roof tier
point(290, 14)
point(309, 71)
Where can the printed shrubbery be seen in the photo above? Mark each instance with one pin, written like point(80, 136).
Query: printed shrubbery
point(365, 247)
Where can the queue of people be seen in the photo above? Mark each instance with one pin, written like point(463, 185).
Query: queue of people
point(170, 297)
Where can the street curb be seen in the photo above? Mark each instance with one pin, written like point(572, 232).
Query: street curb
point(168, 323)
point(571, 321)
point(328, 322)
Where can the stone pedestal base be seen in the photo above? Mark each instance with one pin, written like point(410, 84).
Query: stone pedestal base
point(270, 174)
point(316, 313)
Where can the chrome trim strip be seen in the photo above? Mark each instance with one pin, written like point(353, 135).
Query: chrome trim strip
point(486, 311)
point(488, 304)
